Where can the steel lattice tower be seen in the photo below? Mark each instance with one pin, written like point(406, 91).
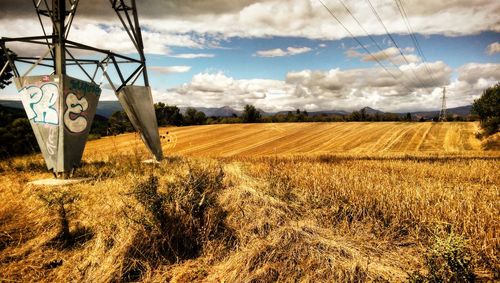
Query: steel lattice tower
point(61, 103)
point(442, 113)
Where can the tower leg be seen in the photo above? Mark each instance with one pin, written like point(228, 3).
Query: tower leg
point(137, 102)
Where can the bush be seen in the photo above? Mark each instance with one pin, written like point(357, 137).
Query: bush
point(180, 222)
point(448, 260)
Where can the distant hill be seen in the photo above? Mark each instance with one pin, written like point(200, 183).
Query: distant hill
point(371, 111)
point(461, 111)
point(224, 111)
point(12, 104)
point(316, 113)
point(107, 108)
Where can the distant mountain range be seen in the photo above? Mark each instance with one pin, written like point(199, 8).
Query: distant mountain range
point(316, 113)
point(106, 108)
point(224, 111)
point(461, 111)
point(371, 111)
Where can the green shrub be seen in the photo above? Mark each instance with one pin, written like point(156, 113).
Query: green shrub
point(448, 260)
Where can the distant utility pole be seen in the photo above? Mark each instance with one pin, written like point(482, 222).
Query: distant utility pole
point(442, 113)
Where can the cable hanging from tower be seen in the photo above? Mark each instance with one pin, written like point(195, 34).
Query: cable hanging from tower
point(378, 45)
point(361, 44)
point(393, 40)
point(402, 11)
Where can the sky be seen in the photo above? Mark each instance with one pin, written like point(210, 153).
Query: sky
point(283, 55)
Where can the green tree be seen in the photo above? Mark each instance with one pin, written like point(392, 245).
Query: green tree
point(99, 127)
point(487, 107)
point(355, 116)
point(17, 138)
point(363, 114)
point(251, 114)
point(408, 116)
point(190, 116)
point(168, 115)
point(200, 118)
point(6, 77)
point(119, 123)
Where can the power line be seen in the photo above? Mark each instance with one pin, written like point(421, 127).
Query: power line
point(359, 42)
point(402, 11)
point(392, 40)
point(376, 43)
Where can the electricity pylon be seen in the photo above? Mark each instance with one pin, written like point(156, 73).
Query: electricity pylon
point(442, 113)
point(60, 106)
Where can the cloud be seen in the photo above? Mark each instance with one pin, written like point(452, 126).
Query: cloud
point(170, 69)
point(219, 85)
point(217, 89)
point(472, 79)
point(347, 89)
point(335, 81)
point(192, 55)
point(184, 23)
point(278, 52)
point(473, 72)
point(147, 8)
point(493, 48)
point(317, 90)
point(390, 54)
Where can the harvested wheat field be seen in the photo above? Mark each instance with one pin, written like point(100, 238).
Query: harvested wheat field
point(304, 138)
point(325, 202)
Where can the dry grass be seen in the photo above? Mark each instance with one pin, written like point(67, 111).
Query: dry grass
point(242, 217)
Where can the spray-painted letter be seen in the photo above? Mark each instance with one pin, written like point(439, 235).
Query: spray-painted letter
point(39, 103)
point(73, 118)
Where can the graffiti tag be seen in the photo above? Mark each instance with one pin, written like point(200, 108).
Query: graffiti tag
point(80, 86)
point(52, 140)
point(39, 103)
point(74, 117)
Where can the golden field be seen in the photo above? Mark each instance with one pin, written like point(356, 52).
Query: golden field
point(301, 202)
point(304, 138)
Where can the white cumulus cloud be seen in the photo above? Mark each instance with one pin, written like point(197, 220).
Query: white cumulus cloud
point(278, 52)
point(170, 69)
point(318, 90)
point(192, 55)
point(391, 54)
point(493, 48)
